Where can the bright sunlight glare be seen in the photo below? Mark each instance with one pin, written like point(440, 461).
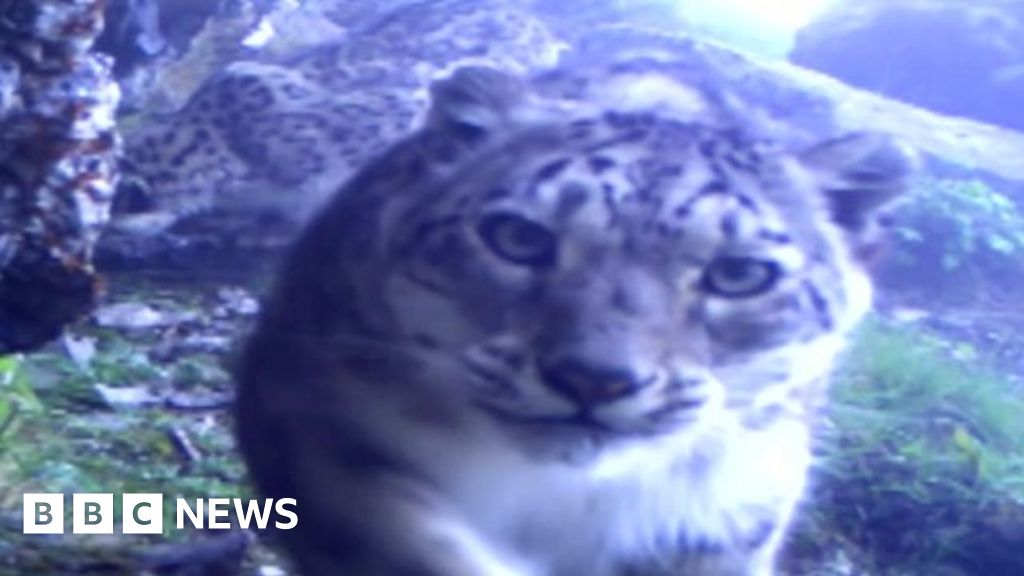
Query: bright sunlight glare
point(764, 27)
point(786, 16)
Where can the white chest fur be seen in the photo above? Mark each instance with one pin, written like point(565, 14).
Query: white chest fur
point(565, 519)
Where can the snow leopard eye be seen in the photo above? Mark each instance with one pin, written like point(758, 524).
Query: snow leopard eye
point(518, 239)
point(739, 277)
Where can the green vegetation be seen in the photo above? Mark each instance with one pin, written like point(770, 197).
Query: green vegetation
point(17, 398)
point(960, 235)
point(58, 435)
point(977, 219)
point(120, 409)
point(925, 463)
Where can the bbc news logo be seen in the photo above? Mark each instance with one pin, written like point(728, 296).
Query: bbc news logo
point(144, 513)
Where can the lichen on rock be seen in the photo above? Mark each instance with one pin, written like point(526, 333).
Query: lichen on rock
point(58, 148)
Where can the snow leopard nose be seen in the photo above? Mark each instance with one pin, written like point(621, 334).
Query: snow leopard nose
point(588, 383)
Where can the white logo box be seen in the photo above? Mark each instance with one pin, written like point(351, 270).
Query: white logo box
point(93, 513)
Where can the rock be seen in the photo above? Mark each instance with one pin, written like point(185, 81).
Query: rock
point(207, 339)
point(58, 172)
point(139, 32)
point(235, 301)
point(126, 396)
point(132, 33)
point(81, 350)
point(952, 57)
point(200, 401)
point(816, 104)
point(138, 316)
point(157, 43)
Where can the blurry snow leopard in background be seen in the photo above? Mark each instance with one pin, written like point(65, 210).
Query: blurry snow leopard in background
point(263, 142)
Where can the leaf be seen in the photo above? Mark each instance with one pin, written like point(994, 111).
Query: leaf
point(972, 449)
point(964, 440)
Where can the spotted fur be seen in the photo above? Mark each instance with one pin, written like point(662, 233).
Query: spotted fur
point(276, 135)
point(555, 336)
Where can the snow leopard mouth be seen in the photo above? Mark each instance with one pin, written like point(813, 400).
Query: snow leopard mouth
point(583, 423)
point(674, 414)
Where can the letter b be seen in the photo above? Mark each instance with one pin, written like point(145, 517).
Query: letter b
point(43, 514)
point(92, 514)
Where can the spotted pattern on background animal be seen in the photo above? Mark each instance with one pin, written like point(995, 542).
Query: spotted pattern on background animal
point(561, 332)
point(277, 138)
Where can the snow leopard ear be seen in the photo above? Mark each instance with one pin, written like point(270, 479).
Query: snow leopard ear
point(860, 175)
point(474, 102)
